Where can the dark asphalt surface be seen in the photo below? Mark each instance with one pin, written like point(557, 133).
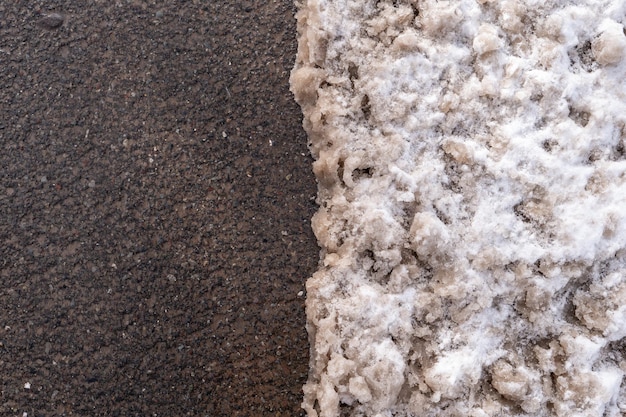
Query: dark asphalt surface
point(155, 197)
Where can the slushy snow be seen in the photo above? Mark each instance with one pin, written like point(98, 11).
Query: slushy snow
point(471, 162)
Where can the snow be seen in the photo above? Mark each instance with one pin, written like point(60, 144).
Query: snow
point(471, 162)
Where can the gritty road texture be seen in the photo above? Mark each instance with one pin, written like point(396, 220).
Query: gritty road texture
point(155, 197)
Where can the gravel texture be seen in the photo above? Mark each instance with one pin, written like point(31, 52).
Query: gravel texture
point(155, 197)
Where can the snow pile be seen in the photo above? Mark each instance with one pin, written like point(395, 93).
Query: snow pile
point(471, 161)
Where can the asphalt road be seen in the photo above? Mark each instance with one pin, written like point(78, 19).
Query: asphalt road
point(155, 197)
